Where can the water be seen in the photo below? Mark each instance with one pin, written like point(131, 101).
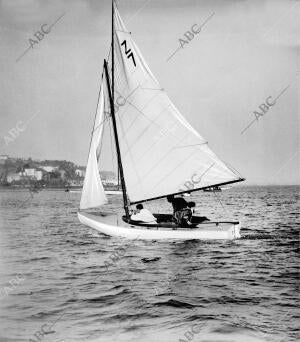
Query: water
point(62, 281)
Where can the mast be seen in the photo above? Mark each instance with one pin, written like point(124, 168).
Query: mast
point(113, 65)
point(112, 108)
point(118, 177)
point(112, 52)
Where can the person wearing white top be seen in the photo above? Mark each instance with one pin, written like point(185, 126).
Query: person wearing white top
point(143, 215)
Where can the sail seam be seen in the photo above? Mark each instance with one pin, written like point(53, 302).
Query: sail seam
point(200, 144)
point(140, 111)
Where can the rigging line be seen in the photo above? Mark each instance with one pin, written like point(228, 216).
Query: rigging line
point(101, 123)
point(232, 168)
point(130, 18)
point(116, 4)
point(109, 52)
point(286, 162)
point(219, 200)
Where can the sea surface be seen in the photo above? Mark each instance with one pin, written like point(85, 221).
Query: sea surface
point(62, 281)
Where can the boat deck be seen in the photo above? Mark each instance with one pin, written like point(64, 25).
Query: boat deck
point(166, 221)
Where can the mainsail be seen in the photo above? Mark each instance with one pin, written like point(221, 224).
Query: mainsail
point(161, 152)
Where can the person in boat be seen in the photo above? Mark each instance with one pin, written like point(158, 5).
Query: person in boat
point(181, 212)
point(189, 214)
point(143, 215)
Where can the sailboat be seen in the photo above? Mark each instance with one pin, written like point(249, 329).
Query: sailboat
point(158, 152)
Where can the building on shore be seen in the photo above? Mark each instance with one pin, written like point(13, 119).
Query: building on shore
point(49, 168)
point(3, 159)
point(13, 177)
point(32, 173)
point(110, 181)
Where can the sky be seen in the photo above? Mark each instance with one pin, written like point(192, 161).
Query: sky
point(245, 56)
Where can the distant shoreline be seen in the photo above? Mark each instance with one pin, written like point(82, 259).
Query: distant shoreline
point(21, 188)
point(70, 188)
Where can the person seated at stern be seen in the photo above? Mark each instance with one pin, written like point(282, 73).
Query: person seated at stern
point(143, 215)
point(182, 210)
point(179, 205)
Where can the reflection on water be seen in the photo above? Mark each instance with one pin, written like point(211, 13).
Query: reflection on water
point(55, 283)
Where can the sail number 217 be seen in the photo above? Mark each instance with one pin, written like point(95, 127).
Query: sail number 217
point(128, 52)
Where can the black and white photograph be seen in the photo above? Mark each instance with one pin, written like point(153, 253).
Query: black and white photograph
point(149, 170)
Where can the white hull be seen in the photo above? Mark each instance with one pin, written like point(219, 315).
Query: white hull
point(113, 225)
